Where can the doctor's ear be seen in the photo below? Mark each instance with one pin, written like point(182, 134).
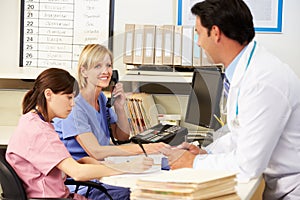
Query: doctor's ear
point(216, 33)
point(83, 72)
point(48, 92)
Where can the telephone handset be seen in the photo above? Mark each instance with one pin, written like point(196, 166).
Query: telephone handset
point(113, 81)
point(110, 102)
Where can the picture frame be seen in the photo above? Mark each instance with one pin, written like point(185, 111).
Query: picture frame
point(267, 15)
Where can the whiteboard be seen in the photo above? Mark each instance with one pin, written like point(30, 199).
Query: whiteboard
point(53, 32)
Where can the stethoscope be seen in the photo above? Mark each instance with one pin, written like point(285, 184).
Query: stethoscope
point(235, 121)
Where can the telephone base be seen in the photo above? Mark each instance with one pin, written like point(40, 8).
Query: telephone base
point(169, 134)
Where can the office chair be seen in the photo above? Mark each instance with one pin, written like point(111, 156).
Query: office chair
point(12, 186)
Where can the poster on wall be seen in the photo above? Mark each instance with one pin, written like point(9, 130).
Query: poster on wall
point(267, 14)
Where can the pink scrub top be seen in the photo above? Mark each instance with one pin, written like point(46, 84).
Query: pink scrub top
point(33, 151)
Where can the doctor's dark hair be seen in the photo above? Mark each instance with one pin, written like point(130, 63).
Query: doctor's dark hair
point(58, 80)
point(233, 17)
point(89, 58)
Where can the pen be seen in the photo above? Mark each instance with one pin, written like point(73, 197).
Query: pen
point(219, 120)
point(140, 144)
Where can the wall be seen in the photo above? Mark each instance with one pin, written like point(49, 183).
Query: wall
point(284, 45)
point(11, 106)
point(9, 40)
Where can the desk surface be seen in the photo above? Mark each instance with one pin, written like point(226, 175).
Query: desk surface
point(244, 190)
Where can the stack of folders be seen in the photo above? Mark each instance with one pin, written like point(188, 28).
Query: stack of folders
point(168, 45)
point(187, 184)
point(141, 112)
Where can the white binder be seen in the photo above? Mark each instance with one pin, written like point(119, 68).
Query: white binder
point(177, 45)
point(158, 45)
point(187, 45)
point(196, 52)
point(168, 45)
point(149, 39)
point(138, 44)
point(128, 44)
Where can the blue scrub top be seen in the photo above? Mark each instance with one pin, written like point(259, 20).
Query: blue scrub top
point(82, 119)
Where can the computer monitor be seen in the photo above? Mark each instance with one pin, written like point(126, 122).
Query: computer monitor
point(204, 99)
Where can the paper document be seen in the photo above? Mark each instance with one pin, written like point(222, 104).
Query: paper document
point(156, 159)
point(119, 159)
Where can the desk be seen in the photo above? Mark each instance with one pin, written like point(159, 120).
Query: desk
point(246, 191)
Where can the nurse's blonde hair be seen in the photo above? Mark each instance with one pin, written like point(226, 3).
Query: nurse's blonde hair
point(89, 58)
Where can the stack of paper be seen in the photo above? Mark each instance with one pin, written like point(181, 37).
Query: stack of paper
point(187, 184)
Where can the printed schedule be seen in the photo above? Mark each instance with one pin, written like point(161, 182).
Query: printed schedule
point(55, 31)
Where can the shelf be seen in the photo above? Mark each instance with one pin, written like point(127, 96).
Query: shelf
point(165, 74)
point(26, 73)
point(157, 76)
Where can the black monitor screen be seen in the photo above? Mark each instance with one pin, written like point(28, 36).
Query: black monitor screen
point(204, 99)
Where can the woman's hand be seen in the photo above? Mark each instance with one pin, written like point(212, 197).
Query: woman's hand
point(119, 95)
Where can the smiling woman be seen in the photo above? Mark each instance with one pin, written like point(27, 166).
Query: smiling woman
point(86, 131)
point(94, 57)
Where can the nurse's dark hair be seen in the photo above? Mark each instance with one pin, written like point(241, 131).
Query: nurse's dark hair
point(58, 80)
point(233, 17)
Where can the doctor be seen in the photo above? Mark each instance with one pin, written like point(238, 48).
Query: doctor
point(263, 109)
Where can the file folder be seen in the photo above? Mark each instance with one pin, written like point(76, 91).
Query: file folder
point(158, 45)
point(196, 52)
point(187, 45)
point(138, 44)
point(128, 44)
point(177, 45)
point(141, 112)
point(168, 45)
point(149, 39)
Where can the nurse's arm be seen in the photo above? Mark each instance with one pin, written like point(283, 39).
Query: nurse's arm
point(90, 144)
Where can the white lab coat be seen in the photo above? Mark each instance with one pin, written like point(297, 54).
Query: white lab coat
point(267, 137)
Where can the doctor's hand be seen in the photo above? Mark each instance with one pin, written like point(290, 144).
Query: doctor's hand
point(179, 158)
point(152, 148)
point(137, 165)
point(191, 148)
